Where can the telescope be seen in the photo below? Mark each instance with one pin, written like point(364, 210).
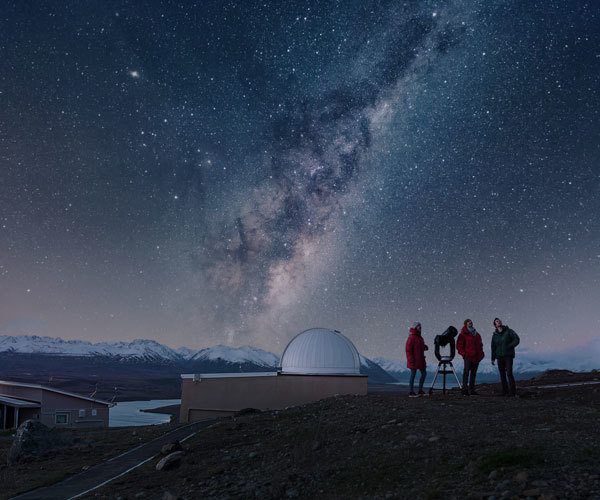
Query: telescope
point(446, 342)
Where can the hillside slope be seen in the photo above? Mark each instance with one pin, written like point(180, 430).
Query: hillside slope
point(544, 444)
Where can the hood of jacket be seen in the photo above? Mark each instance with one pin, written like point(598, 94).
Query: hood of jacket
point(465, 331)
point(504, 330)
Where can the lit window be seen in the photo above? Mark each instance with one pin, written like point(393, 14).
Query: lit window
point(81, 413)
point(61, 418)
point(94, 412)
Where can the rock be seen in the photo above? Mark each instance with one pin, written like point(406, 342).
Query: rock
point(521, 477)
point(471, 467)
point(433, 439)
point(539, 483)
point(493, 475)
point(533, 492)
point(169, 448)
point(252, 454)
point(170, 461)
point(167, 495)
point(412, 437)
point(34, 439)
point(139, 494)
point(504, 485)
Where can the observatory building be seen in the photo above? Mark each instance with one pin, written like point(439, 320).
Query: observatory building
point(316, 364)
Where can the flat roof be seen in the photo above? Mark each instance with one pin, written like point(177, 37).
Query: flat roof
point(19, 403)
point(52, 389)
point(198, 376)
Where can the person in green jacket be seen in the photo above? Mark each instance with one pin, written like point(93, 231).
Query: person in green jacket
point(504, 341)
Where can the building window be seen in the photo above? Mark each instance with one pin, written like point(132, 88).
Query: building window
point(61, 418)
point(81, 413)
point(94, 412)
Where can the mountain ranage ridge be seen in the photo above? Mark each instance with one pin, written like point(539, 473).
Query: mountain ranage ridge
point(219, 358)
point(145, 350)
point(142, 349)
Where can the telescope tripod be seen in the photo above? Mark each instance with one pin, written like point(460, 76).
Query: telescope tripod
point(443, 369)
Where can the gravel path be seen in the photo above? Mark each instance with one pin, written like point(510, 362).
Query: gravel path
point(104, 472)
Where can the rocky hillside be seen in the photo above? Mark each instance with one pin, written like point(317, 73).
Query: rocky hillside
point(544, 444)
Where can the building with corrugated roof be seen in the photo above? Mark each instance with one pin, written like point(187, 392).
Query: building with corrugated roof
point(53, 407)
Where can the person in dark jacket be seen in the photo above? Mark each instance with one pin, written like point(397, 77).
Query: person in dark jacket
point(470, 346)
point(415, 358)
point(504, 341)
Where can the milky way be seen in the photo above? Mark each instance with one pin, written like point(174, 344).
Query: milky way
point(223, 173)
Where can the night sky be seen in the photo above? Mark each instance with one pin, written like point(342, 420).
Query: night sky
point(236, 172)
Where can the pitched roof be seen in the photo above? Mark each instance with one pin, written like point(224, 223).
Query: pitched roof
point(52, 389)
point(19, 403)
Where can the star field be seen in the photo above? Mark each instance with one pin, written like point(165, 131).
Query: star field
point(236, 172)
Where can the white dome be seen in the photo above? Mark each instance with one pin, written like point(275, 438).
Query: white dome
point(320, 352)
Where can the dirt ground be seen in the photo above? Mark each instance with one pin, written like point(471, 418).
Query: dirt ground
point(90, 447)
point(543, 444)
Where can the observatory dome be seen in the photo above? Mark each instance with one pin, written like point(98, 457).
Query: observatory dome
point(319, 351)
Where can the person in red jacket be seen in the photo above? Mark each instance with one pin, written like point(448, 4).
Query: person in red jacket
point(470, 347)
point(415, 358)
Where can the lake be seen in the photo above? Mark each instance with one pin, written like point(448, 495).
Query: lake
point(127, 413)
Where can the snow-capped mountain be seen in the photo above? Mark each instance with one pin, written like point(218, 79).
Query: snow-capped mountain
point(375, 372)
point(186, 352)
point(391, 365)
point(136, 349)
point(236, 355)
point(219, 358)
point(34, 344)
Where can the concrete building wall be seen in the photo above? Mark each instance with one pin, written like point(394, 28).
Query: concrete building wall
point(209, 397)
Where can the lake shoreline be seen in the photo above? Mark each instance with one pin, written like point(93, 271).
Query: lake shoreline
point(141, 413)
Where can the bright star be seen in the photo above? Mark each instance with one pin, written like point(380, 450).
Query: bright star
point(134, 73)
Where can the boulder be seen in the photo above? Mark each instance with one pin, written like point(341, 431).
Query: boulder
point(34, 439)
point(170, 461)
point(169, 448)
point(521, 477)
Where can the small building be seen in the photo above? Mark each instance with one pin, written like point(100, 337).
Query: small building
point(316, 364)
point(53, 407)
